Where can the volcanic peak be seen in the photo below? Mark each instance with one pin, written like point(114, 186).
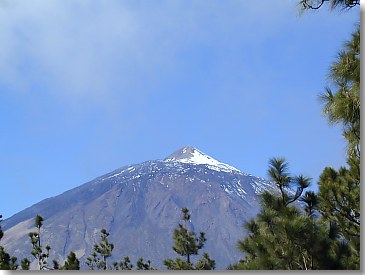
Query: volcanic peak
point(189, 154)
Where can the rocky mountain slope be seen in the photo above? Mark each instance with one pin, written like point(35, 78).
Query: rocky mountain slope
point(140, 206)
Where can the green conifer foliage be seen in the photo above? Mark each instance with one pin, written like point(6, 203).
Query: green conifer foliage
point(205, 263)
point(124, 264)
point(4, 259)
point(71, 263)
point(1, 232)
point(339, 193)
point(333, 4)
point(39, 253)
point(141, 265)
point(178, 264)
point(188, 244)
point(279, 175)
point(341, 105)
point(339, 190)
point(101, 252)
point(284, 237)
point(56, 265)
point(25, 263)
point(7, 262)
point(92, 261)
point(311, 202)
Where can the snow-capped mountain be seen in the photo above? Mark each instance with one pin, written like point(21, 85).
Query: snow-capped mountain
point(192, 155)
point(140, 206)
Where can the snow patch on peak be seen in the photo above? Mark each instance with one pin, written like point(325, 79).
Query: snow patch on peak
point(192, 155)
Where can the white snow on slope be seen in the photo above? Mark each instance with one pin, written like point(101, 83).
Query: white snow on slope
point(198, 157)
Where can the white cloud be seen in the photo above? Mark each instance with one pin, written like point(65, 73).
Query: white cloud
point(97, 49)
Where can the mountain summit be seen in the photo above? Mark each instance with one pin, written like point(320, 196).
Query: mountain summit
point(189, 154)
point(183, 153)
point(140, 205)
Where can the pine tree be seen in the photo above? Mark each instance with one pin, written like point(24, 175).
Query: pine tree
point(205, 263)
point(93, 261)
point(311, 200)
point(40, 254)
point(56, 265)
point(25, 263)
point(4, 257)
point(35, 239)
point(104, 248)
point(124, 264)
point(333, 4)
point(1, 231)
point(278, 174)
point(342, 105)
point(141, 265)
point(282, 236)
point(177, 264)
point(188, 244)
point(71, 263)
point(7, 262)
point(98, 260)
point(101, 252)
point(339, 191)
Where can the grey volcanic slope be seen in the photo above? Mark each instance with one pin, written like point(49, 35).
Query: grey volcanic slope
point(140, 206)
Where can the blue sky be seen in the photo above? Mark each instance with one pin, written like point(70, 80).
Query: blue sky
point(90, 86)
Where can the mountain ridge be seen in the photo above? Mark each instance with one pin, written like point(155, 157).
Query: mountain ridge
point(142, 202)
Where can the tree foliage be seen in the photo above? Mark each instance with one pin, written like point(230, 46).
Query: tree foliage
point(283, 236)
point(124, 264)
point(205, 263)
point(311, 202)
point(101, 252)
point(339, 190)
point(333, 4)
point(342, 105)
point(279, 175)
point(1, 231)
point(38, 252)
point(188, 244)
point(7, 262)
point(71, 263)
point(141, 265)
point(25, 264)
point(326, 235)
